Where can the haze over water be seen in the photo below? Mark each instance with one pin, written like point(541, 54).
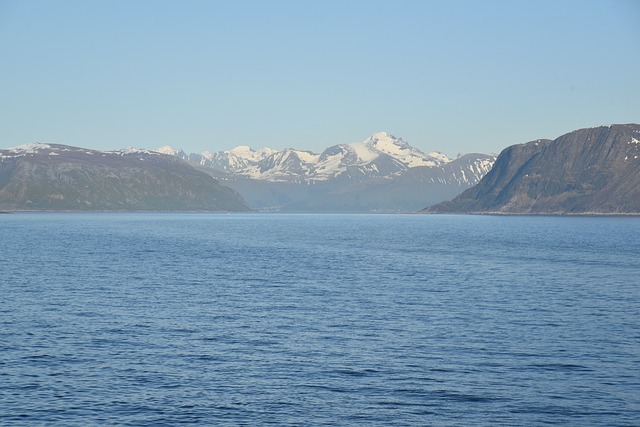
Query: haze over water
point(254, 319)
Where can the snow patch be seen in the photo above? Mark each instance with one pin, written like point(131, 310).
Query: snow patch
point(30, 148)
point(132, 150)
point(307, 156)
point(363, 151)
point(440, 156)
point(167, 149)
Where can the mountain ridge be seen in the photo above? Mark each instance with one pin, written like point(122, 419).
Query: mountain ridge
point(587, 171)
point(57, 177)
point(364, 176)
point(283, 165)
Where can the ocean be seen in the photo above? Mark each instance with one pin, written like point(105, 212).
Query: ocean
point(320, 320)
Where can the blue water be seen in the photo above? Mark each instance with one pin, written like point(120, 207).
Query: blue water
point(259, 319)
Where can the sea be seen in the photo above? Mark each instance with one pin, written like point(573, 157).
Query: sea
point(166, 319)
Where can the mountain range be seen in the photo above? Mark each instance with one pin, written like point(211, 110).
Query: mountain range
point(588, 171)
point(380, 174)
point(57, 177)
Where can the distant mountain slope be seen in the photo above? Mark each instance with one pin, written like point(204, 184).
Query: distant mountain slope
point(381, 173)
point(59, 177)
point(588, 171)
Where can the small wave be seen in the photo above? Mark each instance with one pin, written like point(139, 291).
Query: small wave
point(354, 372)
point(559, 367)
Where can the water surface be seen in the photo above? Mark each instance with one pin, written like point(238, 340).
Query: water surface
point(257, 319)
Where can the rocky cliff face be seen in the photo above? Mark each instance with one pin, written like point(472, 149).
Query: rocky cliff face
point(58, 177)
point(589, 171)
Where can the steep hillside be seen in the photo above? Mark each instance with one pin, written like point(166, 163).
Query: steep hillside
point(59, 177)
point(588, 171)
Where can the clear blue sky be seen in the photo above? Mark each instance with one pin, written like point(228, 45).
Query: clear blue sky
point(453, 76)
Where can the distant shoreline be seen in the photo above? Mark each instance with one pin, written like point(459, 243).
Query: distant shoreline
point(589, 214)
point(557, 214)
point(118, 211)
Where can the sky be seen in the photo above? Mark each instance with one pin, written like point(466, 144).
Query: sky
point(452, 76)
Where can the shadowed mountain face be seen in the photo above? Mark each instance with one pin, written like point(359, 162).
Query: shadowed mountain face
point(588, 171)
point(63, 178)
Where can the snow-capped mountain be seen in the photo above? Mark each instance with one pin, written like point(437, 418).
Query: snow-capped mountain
point(382, 142)
point(173, 152)
point(379, 155)
point(381, 173)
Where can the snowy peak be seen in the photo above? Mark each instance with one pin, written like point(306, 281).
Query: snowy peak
point(289, 164)
point(382, 142)
point(167, 149)
point(386, 143)
point(380, 155)
point(247, 153)
point(382, 139)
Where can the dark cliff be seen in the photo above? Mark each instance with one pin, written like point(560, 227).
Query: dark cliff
point(588, 171)
point(61, 178)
